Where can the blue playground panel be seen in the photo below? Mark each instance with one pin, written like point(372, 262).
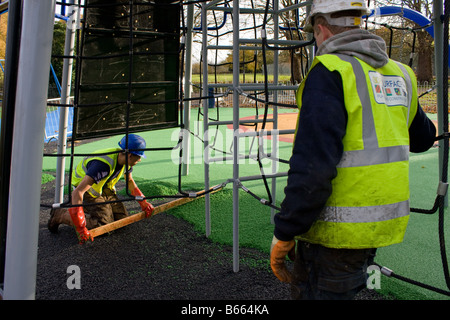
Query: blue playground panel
point(52, 124)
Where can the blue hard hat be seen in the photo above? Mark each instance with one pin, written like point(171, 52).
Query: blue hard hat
point(134, 142)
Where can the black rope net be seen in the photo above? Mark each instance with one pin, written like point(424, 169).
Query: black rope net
point(115, 94)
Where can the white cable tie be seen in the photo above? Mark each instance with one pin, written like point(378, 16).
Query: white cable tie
point(139, 198)
point(56, 205)
point(192, 195)
point(78, 19)
point(244, 188)
point(177, 146)
point(386, 271)
point(442, 188)
point(245, 94)
point(263, 33)
point(264, 201)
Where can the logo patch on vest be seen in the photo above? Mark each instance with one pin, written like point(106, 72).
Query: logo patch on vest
point(389, 90)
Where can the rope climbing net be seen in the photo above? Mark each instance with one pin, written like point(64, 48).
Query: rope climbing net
point(272, 32)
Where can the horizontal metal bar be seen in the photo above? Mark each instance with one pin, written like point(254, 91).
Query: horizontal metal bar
point(225, 122)
point(4, 6)
point(209, 6)
point(262, 11)
point(254, 86)
point(256, 41)
point(265, 132)
point(241, 10)
point(270, 41)
point(270, 87)
point(223, 47)
point(295, 6)
point(230, 158)
point(269, 176)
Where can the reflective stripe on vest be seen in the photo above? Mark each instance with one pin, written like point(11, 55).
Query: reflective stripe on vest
point(371, 154)
point(369, 205)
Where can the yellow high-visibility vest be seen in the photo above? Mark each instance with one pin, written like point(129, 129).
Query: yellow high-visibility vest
point(369, 204)
point(110, 159)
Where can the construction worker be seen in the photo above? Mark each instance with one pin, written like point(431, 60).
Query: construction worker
point(94, 180)
point(347, 191)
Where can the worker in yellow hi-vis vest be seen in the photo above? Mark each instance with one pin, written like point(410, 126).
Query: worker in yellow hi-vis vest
point(348, 189)
point(94, 180)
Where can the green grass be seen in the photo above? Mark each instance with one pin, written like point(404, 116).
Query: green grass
point(153, 188)
point(255, 228)
point(47, 178)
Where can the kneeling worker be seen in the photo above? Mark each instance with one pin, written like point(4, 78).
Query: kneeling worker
point(94, 180)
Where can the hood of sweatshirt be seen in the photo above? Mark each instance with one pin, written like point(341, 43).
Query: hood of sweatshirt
point(359, 43)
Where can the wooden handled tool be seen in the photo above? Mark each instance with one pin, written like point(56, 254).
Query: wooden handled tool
point(141, 215)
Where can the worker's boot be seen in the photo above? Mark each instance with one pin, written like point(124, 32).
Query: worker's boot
point(57, 217)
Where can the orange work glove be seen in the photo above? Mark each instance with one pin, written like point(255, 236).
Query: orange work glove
point(278, 252)
point(145, 206)
point(79, 222)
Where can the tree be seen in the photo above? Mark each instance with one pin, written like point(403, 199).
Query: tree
point(59, 36)
point(293, 20)
point(299, 57)
point(424, 42)
point(250, 61)
point(402, 40)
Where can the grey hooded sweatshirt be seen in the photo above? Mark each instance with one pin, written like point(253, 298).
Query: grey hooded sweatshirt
point(359, 43)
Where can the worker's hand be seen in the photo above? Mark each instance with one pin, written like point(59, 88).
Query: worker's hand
point(145, 206)
point(278, 252)
point(79, 222)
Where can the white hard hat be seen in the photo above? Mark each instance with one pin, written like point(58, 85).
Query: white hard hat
point(327, 7)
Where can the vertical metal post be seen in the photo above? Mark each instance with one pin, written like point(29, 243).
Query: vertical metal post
point(205, 117)
point(275, 137)
point(28, 141)
point(236, 70)
point(439, 65)
point(311, 48)
point(65, 99)
point(8, 110)
point(187, 92)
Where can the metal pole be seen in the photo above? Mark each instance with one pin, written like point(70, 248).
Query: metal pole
point(8, 109)
point(439, 65)
point(275, 108)
point(205, 117)
point(311, 48)
point(236, 70)
point(26, 158)
point(65, 99)
point(187, 92)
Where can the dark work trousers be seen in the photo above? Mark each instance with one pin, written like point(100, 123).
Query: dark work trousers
point(101, 214)
point(322, 273)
